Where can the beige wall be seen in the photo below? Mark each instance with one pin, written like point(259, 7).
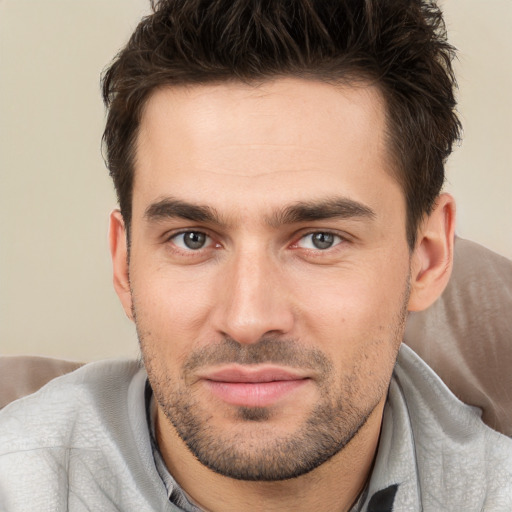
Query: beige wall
point(480, 171)
point(56, 296)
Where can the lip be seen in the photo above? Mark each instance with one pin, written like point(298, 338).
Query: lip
point(253, 387)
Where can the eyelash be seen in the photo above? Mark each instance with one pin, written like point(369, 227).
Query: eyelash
point(339, 240)
point(190, 252)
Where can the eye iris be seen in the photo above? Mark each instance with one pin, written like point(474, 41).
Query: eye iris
point(194, 240)
point(322, 240)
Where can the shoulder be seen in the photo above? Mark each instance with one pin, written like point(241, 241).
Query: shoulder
point(457, 455)
point(78, 443)
point(81, 397)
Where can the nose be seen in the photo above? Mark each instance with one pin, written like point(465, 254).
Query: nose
point(253, 298)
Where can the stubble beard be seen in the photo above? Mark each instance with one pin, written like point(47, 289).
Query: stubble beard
point(254, 452)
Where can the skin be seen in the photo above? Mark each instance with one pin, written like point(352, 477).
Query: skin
point(260, 294)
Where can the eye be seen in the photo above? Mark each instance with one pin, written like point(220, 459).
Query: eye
point(191, 240)
point(319, 240)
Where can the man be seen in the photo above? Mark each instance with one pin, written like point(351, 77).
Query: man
point(279, 169)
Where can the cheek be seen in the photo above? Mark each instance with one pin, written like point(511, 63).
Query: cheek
point(355, 310)
point(360, 329)
point(171, 306)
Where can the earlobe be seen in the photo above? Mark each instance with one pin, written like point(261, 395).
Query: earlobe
point(119, 254)
point(432, 260)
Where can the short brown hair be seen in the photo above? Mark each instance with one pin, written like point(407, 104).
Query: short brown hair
point(399, 45)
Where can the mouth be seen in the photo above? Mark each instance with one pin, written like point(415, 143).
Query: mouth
point(253, 387)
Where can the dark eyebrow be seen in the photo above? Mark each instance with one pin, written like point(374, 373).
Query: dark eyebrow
point(303, 211)
point(169, 208)
point(331, 208)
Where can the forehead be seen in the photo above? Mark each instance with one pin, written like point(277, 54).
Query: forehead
point(236, 145)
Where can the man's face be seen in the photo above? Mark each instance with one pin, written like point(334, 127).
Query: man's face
point(269, 269)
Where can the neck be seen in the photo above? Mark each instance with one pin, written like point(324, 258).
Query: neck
point(333, 486)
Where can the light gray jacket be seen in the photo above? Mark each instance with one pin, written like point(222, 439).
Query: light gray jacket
point(82, 443)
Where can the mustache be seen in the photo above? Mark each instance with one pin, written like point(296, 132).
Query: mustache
point(286, 352)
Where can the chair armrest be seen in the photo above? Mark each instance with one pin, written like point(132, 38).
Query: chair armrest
point(22, 375)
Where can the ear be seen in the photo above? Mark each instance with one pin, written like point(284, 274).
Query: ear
point(119, 254)
point(432, 260)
